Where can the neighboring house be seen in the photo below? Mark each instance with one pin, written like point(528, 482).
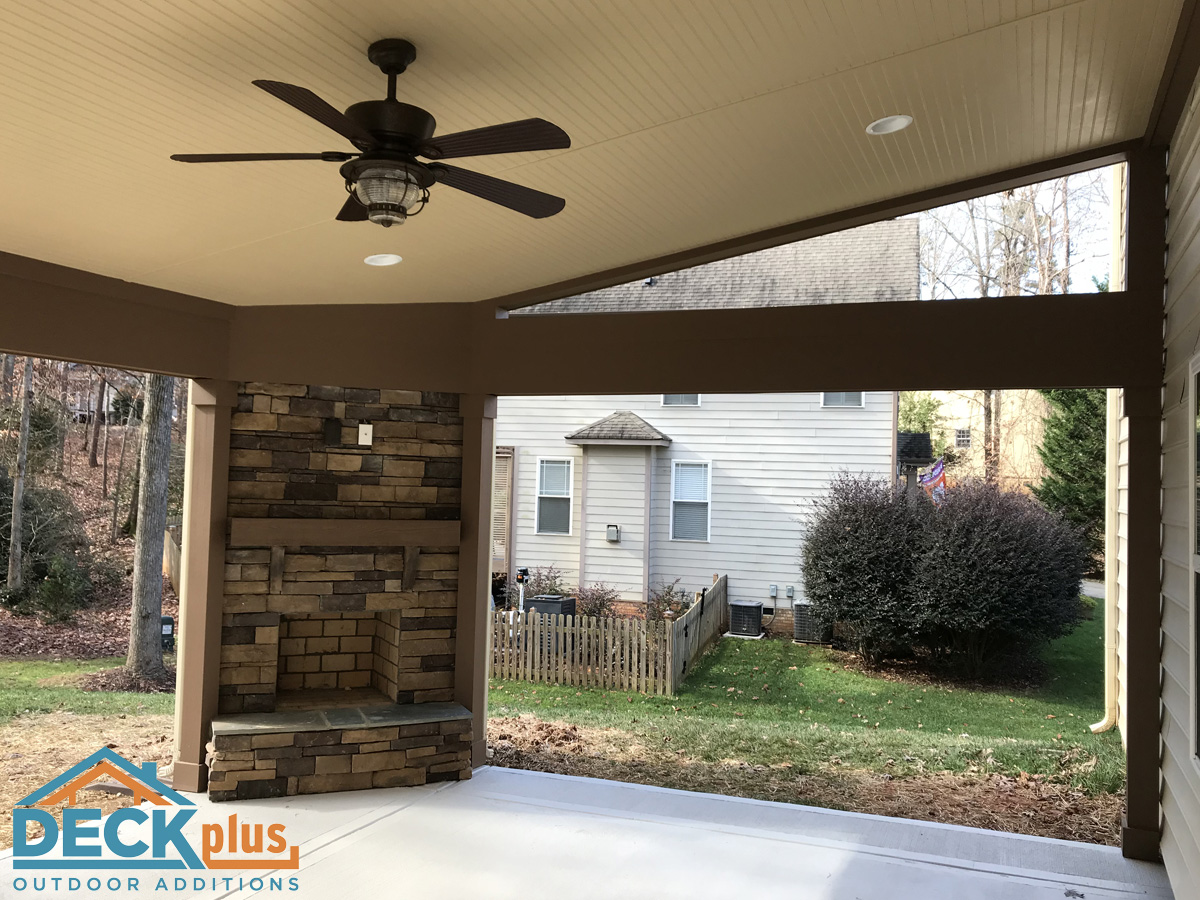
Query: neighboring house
point(1022, 414)
point(640, 490)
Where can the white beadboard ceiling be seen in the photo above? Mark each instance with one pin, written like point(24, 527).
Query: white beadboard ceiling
point(691, 122)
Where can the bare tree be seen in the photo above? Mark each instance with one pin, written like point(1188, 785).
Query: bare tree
point(1016, 242)
point(16, 532)
point(145, 640)
point(103, 389)
point(7, 373)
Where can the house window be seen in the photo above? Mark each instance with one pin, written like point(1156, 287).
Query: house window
point(554, 496)
point(962, 438)
point(842, 398)
point(689, 501)
point(681, 400)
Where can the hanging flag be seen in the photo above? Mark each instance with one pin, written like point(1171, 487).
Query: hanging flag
point(934, 481)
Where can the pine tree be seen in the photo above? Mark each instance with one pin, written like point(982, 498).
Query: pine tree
point(1073, 449)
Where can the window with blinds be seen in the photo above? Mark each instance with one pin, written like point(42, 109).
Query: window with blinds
point(689, 501)
point(554, 496)
point(501, 497)
point(842, 398)
point(681, 400)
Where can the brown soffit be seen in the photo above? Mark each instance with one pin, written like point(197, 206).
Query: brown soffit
point(1179, 75)
point(838, 221)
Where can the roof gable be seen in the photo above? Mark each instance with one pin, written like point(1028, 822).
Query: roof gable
point(621, 427)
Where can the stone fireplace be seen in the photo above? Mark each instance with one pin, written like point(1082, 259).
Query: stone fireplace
point(341, 596)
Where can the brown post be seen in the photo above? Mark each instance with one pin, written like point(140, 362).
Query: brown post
point(1146, 278)
point(475, 565)
point(202, 583)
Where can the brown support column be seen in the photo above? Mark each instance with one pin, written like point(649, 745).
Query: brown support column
point(205, 490)
point(1146, 278)
point(475, 565)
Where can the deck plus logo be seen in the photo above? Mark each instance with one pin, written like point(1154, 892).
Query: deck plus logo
point(147, 835)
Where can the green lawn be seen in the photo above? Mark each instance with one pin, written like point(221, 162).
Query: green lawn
point(36, 686)
point(771, 701)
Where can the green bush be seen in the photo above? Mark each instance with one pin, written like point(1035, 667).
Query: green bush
point(998, 571)
point(859, 560)
point(983, 573)
point(55, 549)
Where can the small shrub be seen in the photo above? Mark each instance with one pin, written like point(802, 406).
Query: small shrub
point(998, 572)
point(859, 558)
point(55, 547)
point(667, 600)
point(64, 590)
point(597, 599)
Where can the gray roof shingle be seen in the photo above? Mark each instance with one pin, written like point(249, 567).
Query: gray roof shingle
point(621, 426)
point(876, 262)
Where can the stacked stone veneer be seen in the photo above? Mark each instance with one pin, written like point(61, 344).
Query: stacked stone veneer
point(266, 762)
point(287, 462)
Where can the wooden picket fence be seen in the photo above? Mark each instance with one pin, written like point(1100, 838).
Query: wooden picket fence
point(692, 632)
point(605, 652)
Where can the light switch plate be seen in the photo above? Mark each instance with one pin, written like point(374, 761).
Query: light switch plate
point(365, 434)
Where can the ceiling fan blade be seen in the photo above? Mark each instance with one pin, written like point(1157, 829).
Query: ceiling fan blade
point(329, 156)
point(352, 211)
point(311, 105)
point(511, 137)
point(519, 198)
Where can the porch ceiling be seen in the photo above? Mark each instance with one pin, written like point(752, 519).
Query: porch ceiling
point(689, 125)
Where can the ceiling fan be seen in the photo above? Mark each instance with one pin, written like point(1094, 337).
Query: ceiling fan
point(385, 180)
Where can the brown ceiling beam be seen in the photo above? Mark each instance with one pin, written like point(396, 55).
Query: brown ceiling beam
point(826, 224)
point(63, 313)
point(1070, 340)
point(1079, 340)
point(1179, 74)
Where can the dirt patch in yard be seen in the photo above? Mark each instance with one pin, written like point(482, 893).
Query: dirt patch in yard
point(33, 749)
point(121, 679)
point(1023, 805)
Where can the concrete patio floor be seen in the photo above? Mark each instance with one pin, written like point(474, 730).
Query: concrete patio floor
point(509, 833)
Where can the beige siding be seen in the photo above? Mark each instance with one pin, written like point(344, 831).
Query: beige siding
point(1181, 772)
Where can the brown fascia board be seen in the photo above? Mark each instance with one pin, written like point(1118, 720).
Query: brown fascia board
point(907, 204)
point(1179, 75)
point(63, 313)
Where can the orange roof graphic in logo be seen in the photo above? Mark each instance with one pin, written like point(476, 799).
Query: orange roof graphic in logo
point(142, 780)
point(69, 791)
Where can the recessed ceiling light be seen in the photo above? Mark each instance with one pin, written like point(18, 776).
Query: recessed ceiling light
point(889, 125)
point(383, 259)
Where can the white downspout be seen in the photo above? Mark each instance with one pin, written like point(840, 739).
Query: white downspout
point(1112, 624)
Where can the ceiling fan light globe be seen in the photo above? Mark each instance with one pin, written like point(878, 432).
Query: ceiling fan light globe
point(386, 186)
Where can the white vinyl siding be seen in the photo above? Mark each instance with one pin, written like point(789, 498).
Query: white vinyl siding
point(853, 399)
point(690, 501)
point(555, 481)
point(680, 399)
point(772, 455)
point(1180, 768)
point(616, 495)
